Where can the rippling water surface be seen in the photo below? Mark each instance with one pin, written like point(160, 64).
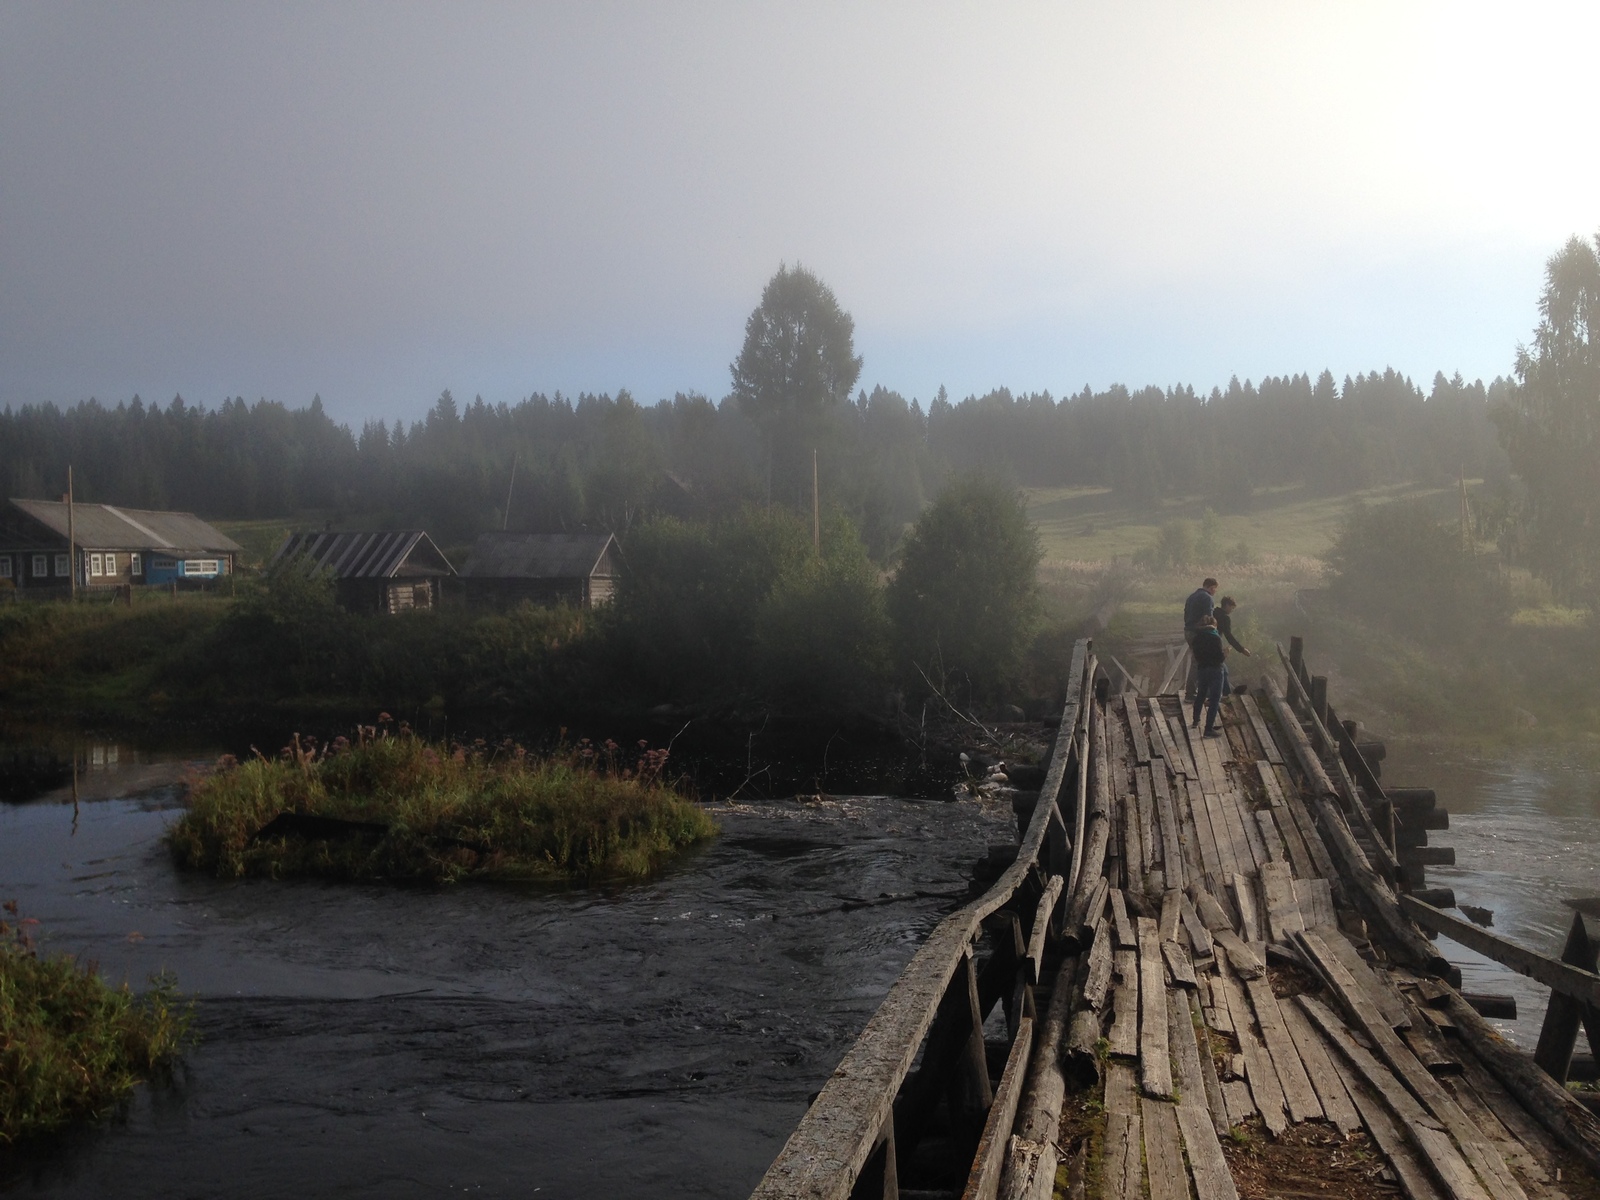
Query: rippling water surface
point(1526, 831)
point(658, 1040)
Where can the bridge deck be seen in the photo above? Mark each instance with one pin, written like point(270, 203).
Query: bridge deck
point(1242, 992)
point(1210, 988)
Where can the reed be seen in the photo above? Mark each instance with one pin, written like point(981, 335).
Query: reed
point(395, 806)
point(72, 1046)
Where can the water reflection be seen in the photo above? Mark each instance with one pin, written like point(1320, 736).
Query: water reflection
point(1526, 831)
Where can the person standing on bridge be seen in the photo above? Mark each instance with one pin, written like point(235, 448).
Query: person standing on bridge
point(1198, 606)
point(1211, 672)
point(1224, 618)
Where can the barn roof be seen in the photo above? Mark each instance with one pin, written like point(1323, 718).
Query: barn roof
point(105, 527)
point(536, 555)
point(351, 554)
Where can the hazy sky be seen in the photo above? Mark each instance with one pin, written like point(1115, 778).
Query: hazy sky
point(377, 201)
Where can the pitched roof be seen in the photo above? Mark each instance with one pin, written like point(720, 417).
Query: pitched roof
point(361, 555)
point(102, 526)
point(536, 555)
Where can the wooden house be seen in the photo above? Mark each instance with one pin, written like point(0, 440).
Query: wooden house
point(387, 572)
point(546, 568)
point(112, 547)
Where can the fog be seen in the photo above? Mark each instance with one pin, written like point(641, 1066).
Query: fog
point(374, 202)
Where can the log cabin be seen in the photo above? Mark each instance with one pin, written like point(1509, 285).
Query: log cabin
point(113, 547)
point(386, 572)
point(579, 569)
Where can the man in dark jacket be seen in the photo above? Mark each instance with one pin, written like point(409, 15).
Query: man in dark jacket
point(1197, 606)
point(1210, 659)
point(1224, 615)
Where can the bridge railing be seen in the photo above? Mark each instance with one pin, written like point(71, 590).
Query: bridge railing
point(875, 1108)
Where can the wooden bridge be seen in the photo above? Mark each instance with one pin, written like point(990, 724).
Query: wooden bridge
point(1206, 947)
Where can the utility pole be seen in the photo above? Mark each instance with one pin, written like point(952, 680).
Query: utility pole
point(72, 542)
point(505, 517)
point(816, 509)
point(1466, 517)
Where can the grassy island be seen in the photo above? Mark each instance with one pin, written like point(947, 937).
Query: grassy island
point(397, 807)
point(72, 1046)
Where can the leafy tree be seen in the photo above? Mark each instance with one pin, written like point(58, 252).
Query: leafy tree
point(1551, 426)
point(965, 597)
point(798, 362)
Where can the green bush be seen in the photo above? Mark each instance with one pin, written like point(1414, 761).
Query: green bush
point(965, 598)
point(1401, 566)
point(72, 1047)
point(436, 813)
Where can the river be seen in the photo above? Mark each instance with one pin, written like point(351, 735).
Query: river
point(656, 1039)
point(1526, 831)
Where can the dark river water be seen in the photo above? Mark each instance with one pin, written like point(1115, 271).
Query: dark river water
point(659, 1039)
point(1526, 831)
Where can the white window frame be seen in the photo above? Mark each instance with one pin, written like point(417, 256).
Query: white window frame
point(111, 562)
point(41, 566)
point(94, 566)
point(201, 568)
point(63, 566)
point(133, 565)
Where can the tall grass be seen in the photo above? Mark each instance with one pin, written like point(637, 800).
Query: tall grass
point(71, 1046)
point(437, 813)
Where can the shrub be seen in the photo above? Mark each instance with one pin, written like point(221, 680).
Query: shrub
point(72, 1047)
point(965, 598)
point(413, 810)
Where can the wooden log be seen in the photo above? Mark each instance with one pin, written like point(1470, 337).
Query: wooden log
point(1561, 977)
point(1265, 1087)
point(1403, 797)
point(1549, 1103)
point(1122, 1167)
point(1407, 1163)
point(1173, 862)
point(1299, 1096)
point(1132, 842)
point(1244, 900)
point(1124, 1035)
point(1269, 748)
point(1271, 838)
point(1495, 1005)
point(983, 1183)
point(1245, 961)
point(1426, 856)
point(1098, 979)
point(1031, 1156)
point(1372, 982)
point(1084, 913)
point(1488, 1165)
point(1155, 1063)
point(1284, 918)
point(1043, 916)
point(1121, 926)
point(1332, 1093)
point(1163, 1153)
point(1212, 1179)
point(1147, 818)
point(1375, 898)
point(1199, 935)
point(1136, 731)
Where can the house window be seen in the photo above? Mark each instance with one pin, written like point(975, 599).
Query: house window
point(133, 565)
point(111, 564)
point(94, 564)
point(199, 566)
point(5, 566)
point(63, 567)
point(163, 564)
point(40, 570)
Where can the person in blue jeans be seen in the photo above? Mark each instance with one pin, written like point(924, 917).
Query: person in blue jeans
point(1211, 671)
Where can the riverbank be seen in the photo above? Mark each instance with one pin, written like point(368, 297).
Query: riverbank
point(72, 1047)
point(399, 808)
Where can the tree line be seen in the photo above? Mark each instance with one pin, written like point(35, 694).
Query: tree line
point(555, 463)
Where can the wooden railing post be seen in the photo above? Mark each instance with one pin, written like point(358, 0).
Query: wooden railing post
point(1564, 1014)
point(881, 1175)
point(1297, 656)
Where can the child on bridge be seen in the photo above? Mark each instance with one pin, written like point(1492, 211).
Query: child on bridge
point(1211, 671)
